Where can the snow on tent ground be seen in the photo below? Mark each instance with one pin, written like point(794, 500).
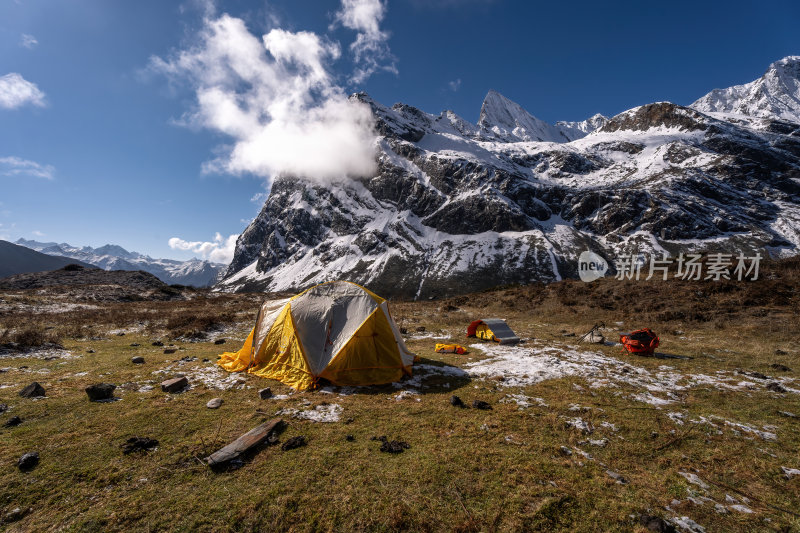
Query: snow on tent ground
point(524, 366)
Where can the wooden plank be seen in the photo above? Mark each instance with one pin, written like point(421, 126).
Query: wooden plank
point(245, 443)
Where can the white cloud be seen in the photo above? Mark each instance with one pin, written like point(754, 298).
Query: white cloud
point(28, 41)
point(220, 250)
point(16, 166)
point(276, 99)
point(370, 48)
point(16, 91)
point(38, 233)
point(454, 85)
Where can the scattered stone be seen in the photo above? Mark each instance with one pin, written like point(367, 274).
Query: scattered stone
point(138, 444)
point(788, 414)
point(480, 404)
point(756, 375)
point(12, 422)
point(565, 451)
point(219, 341)
point(158, 343)
point(295, 442)
point(349, 421)
point(28, 461)
point(34, 390)
point(206, 360)
point(382, 438)
point(138, 360)
point(656, 524)
point(175, 384)
point(265, 393)
point(455, 401)
point(121, 334)
point(421, 329)
point(775, 387)
point(89, 351)
point(135, 344)
point(188, 359)
point(349, 438)
point(616, 476)
point(100, 391)
point(403, 331)
point(654, 434)
point(3, 408)
point(569, 335)
point(780, 368)
point(778, 351)
point(214, 403)
point(394, 446)
point(16, 514)
point(170, 350)
point(227, 456)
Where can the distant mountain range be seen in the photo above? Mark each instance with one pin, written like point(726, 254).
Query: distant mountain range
point(16, 259)
point(456, 207)
point(195, 272)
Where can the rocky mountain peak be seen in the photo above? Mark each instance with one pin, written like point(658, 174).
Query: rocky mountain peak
point(455, 207)
point(506, 120)
point(774, 95)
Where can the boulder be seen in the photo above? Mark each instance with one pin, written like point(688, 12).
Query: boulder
point(13, 421)
point(480, 404)
point(219, 341)
point(265, 393)
point(100, 391)
point(138, 360)
point(214, 403)
point(34, 390)
point(175, 384)
point(28, 461)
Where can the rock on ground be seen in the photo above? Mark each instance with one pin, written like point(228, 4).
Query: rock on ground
point(34, 390)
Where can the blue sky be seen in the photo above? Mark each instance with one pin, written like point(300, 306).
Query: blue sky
point(97, 143)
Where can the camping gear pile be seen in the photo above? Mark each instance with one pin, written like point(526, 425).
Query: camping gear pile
point(450, 348)
point(492, 329)
point(338, 331)
point(640, 342)
point(594, 336)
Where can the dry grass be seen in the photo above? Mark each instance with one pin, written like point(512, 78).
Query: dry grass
point(466, 470)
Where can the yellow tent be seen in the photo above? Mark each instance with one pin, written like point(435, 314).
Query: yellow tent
point(338, 331)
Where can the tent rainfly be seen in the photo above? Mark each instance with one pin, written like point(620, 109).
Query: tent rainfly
point(338, 331)
point(492, 329)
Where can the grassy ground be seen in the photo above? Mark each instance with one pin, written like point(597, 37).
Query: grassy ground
point(466, 469)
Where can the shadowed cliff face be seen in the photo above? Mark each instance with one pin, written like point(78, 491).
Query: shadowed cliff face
point(456, 208)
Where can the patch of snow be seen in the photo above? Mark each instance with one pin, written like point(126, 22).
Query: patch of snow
point(789, 473)
point(322, 413)
point(523, 401)
point(694, 480)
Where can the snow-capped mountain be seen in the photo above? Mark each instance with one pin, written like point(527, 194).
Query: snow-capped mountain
point(456, 207)
point(504, 120)
point(775, 95)
point(195, 272)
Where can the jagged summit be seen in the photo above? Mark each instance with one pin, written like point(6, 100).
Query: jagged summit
point(775, 95)
point(506, 120)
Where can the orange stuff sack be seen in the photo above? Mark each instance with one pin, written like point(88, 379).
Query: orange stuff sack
point(450, 348)
point(640, 342)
